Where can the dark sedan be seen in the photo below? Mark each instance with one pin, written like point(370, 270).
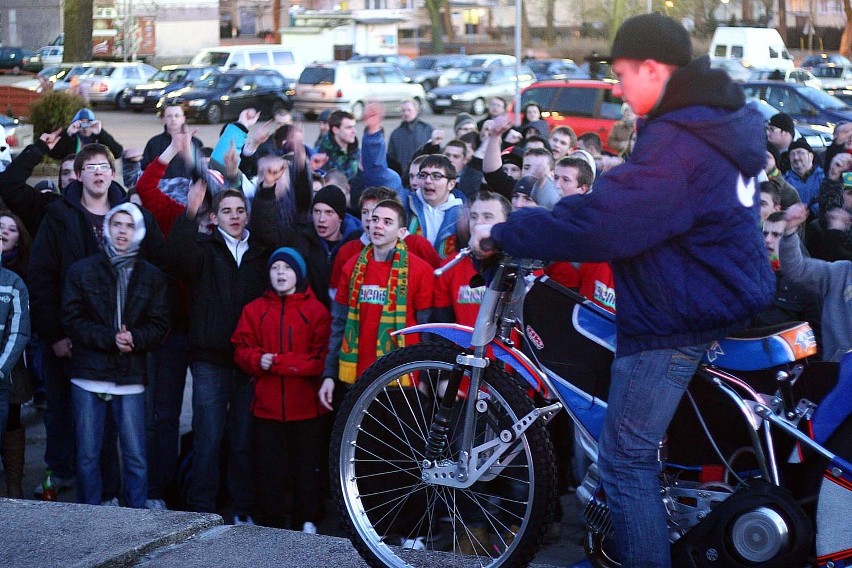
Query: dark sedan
point(222, 96)
point(805, 104)
point(169, 78)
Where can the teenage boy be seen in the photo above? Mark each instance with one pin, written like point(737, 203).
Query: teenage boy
point(115, 311)
point(84, 129)
point(382, 290)
point(699, 138)
point(455, 299)
point(340, 144)
point(224, 272)
point(281, 340)
point(72, 228)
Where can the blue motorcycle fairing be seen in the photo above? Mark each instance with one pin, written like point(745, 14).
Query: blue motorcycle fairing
point(461, 336)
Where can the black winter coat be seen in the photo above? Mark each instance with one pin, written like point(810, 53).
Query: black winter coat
point(64, 237)
point(218, 288)
point(88, 316)
point(157, 145)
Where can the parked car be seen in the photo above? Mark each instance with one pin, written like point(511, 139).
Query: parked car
point(796, 75)
point(349, 85)
point(844, 94)
point(105, 84)
point(222, 96)
point(16, 59)
point(63, 80)
point(812, 61)
point(584, 105)
point(805, 104)
point(49, 55)
point(145, 96)
point(18, 134)
point(49, 73)
point(492, 60)
point(545, 69)
point(833, 75)
point(401, 61)
point(474, 86)
point(258, 56)
point(428, 68)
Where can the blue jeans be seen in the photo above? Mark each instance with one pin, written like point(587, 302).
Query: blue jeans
point(163, 402)
point(645, 391)
point(221, 404)
point(90, 415)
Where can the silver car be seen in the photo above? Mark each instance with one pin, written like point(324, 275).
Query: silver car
point(104, 84)
point(471, 89)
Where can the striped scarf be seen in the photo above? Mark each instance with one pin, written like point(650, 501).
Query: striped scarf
point(393, 316)
point(445, 247)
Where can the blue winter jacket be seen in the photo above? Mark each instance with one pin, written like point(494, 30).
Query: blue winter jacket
point(678, 221)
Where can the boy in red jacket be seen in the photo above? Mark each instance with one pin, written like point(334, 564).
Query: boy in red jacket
point(281, 340)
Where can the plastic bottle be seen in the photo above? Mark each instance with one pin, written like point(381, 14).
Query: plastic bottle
point(48, 492)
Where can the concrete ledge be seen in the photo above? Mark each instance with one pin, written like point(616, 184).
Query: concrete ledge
point(38, 534)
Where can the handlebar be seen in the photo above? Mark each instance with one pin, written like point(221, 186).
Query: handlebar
point(461, 255)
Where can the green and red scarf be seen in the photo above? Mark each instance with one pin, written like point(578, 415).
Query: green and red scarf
point(393, 316)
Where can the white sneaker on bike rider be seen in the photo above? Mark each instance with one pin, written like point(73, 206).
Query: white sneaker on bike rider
point(414, 543)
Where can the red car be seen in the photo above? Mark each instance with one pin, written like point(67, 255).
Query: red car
point(584, 105)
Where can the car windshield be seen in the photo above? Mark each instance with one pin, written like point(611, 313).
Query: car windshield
point(169, 75)
point(424, 63)
point(828, 72)
point(317, 76)
point(50, 71)
point(100, 71)
point(217, 58)
point(476, 77)
point(216, 81)
point(821, 99)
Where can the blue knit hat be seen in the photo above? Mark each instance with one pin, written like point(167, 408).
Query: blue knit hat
point(84, 114)
point(294, 260)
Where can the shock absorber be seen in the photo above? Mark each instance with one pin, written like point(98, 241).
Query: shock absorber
point(437, 440)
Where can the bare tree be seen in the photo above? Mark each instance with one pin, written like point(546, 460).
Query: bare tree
point(78, 30)
point(433, 7)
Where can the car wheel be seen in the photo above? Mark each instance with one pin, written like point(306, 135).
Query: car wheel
point(120, 102)
point(428, 85)
point(16, 70)
point(436, 110)
point(478, 107)
point(214, 114)
point(419, 102)
point(276, 106)
point(358, 110)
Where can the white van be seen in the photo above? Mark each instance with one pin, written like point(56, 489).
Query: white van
point(743, 50)
point(259, 56)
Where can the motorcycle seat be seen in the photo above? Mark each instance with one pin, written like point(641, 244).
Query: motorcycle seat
point(762, 348)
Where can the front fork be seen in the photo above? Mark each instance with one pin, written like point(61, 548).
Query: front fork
point(470, 466)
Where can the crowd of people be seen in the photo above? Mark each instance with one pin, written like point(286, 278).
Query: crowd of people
point(276, 271)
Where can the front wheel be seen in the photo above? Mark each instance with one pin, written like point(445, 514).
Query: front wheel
point(214, 114)
point(378, 448)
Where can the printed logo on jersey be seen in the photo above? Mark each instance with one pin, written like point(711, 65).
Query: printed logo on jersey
point(604, 295)
point(468, 295)
point(371, 294)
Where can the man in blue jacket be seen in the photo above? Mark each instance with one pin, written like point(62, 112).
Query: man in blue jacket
point(678, 222)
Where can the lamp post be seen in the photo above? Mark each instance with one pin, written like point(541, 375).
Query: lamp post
point(518, 50)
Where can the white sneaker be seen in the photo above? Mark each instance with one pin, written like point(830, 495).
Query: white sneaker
point(156, 504)
point(309, 528)
point(414, 543)
point(243, 520)
point(110, 502)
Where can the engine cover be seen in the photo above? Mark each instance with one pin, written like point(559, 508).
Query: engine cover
point(759, 526)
